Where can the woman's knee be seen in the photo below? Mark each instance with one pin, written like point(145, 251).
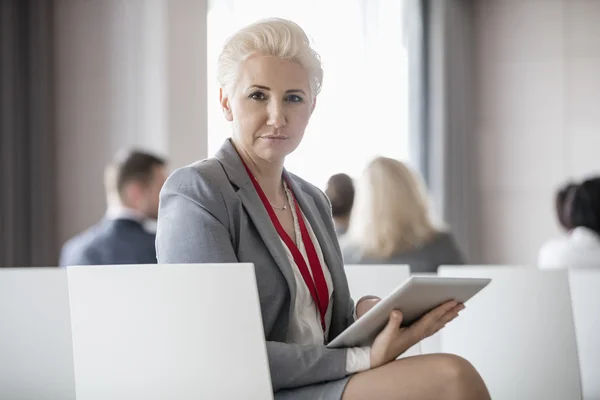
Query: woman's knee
point(460, 378)
point(435, 376)
point(454, 367)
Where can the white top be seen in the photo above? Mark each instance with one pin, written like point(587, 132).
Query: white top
point(305, 324)
point(580, 248)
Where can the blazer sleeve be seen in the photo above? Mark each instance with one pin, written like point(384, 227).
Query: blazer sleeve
point(192, 228)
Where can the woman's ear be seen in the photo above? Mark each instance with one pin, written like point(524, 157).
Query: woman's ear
point(314, 104)
point(225, 105)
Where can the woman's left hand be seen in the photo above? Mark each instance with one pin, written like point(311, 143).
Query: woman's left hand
point(365, 304)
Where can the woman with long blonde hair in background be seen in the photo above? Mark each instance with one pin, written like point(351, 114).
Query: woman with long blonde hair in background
point(391, 222)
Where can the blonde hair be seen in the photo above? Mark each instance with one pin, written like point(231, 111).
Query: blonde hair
point(276, 37)
point(391, 211)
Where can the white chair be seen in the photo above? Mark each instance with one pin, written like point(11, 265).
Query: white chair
point(518, 332)
point(585, 298)
point(36, 354)
point(378, 280)
point(168, 332)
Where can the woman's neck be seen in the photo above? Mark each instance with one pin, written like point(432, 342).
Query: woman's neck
point(268, 174)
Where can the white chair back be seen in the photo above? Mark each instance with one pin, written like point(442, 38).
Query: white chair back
point(36, 354)
point(168, 332)
point(518, 332)
point(585, 297)
point(376, 280)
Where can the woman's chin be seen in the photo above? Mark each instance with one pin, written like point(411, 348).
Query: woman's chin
point(274, 150)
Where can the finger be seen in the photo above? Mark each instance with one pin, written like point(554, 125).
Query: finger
point(394, 322)
point(439, 311)
point(432, 321)
point(450, 315)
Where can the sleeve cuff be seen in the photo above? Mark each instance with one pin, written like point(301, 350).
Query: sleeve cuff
point(358, 359)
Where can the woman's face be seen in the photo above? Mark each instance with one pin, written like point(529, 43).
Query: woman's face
point(269, 107)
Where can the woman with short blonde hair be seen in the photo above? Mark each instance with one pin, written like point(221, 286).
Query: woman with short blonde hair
point(391, 221)
point(243, 206)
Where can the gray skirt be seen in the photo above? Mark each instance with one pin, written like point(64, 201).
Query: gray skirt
point(321, 391)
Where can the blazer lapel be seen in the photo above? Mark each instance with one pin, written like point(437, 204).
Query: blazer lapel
point(309, 208)
point(234, 168)
point(332, 259)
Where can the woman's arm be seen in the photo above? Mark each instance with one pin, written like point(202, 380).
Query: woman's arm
point(190, 231)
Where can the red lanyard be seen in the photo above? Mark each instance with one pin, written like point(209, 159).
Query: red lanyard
point(317, 286)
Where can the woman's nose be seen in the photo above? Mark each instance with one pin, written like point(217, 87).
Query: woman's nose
point(276, 116)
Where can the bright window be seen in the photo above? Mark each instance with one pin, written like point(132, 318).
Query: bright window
point(362, 110)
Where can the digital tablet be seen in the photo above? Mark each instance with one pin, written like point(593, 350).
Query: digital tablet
point(414, 298)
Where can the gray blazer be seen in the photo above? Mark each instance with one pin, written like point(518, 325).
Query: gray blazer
point(210, 213)
point(440, 250)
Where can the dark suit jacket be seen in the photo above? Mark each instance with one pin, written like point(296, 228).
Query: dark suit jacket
point(119, 241)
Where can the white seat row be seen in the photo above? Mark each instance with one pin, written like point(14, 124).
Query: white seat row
point(585, 297)
point(138, 332)
point(86, 332)
point(36, 353)
point(529, 333)
point(519, 333)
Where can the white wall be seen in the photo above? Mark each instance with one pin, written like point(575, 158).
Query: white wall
point(538, 116)
point(129, 73)
point(187, 81)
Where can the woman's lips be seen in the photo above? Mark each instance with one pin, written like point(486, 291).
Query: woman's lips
point(273, 137)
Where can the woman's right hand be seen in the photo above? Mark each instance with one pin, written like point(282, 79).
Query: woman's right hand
point(394, 340)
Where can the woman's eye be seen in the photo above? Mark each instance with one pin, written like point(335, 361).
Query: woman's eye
point(258, 96)
point(294, 98)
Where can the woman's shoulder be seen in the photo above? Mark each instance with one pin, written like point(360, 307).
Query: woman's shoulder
point(200, 173)
point(203, 179)
point(444, 247)
point(552, 252)
point(444, 238)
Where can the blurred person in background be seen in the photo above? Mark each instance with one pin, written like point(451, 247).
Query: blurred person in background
point(581, 247)
point(391, 222)
point(127, 233)
point(562, 206)
point(340, 190)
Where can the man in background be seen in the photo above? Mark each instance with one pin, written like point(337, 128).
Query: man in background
point(127, 233)
point(564, 198)
point(340, 190)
